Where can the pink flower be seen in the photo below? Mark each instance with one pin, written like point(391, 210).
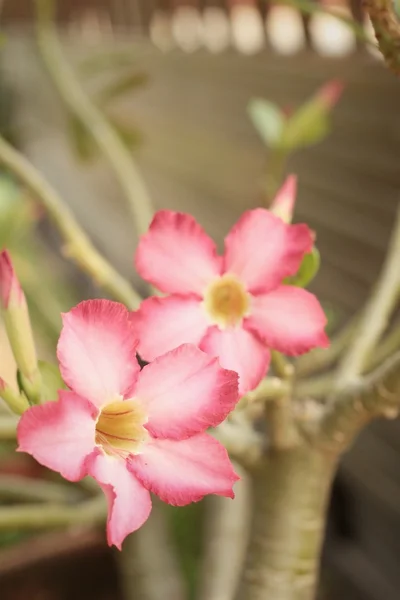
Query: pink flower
point(234, 307)
point(133, 431)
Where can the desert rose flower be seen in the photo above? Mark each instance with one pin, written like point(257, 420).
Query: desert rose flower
point(232, 306)
point(134, 431)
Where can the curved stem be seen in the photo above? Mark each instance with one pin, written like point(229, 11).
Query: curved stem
point(77, 245)
point(320, 359)
point(92, 118)
point(17, 488)
point(375, 316)
point(8, 428)
point(36, 516)
point(226, 535)
point(351, 409)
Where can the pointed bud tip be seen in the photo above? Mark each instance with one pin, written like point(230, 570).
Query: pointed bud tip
point(284, 201)
point(10, 289)
point(331, 92)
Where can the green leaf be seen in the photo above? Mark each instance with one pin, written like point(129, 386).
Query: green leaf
point(268, 119)
point(309, 125)
point(307, 271)
point(120, 86)
point(51, 381)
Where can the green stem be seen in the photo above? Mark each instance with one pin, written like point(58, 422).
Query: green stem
point(32, 490)
point(320, 359)
point(350, 410)
point(315, 387)
point(34, 516)
point(275, 170)
point(282, 367)
point(77, 244)
point(15, 401)
point(92, 118)
point(376, 315)
point(8, 428)
point(291, 493)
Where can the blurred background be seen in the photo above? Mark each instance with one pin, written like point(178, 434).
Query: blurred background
point(175, 79)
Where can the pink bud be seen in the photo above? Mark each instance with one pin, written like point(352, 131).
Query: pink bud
point(284, 201)
point(330, 93)
point(10, 288)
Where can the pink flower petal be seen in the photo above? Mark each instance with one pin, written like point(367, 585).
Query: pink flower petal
point(60, 435)
point(165, 323)
point(184, 392)
point(289, 319)
point(97, 351)
point(185, 471)
point(177, 255)
point(129, 503)
point(262, 250)
point(241, 351)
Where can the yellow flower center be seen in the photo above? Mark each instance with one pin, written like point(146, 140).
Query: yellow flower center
point(227, 301)
point(119, 428)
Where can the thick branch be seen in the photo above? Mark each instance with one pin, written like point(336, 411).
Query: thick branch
point(77, 244)
point(375, 316)
point(387, 30)
point(349, 410)
point(92, 118)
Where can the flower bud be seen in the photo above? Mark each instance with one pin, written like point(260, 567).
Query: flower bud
point(329, 94)
point(18, 327)
point(284, 201)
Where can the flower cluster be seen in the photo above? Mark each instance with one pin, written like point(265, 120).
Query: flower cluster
point(141, 431)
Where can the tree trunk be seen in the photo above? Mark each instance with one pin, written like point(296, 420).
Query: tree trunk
point(291, 493)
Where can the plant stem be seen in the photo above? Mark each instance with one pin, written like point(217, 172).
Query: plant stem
point(35, 516)
point(32, 490)
point(15, 401)
point(92, 118)
point(351, 409)
point(375, 316)
point(282, 367)
point(291, 493)
point(241, 441)
point(226, 535)
point(389, 345)
point(315, 387)
point(322, 358)
point(77, 244)
point(148, 563)
point(8, 428)
point(275, 170)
